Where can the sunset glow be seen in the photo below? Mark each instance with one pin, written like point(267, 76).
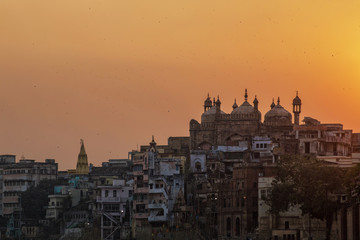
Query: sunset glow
point(116, 72)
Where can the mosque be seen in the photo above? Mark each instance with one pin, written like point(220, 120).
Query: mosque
point(218, 128)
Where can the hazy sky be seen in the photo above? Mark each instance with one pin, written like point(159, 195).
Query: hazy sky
point(114, 72)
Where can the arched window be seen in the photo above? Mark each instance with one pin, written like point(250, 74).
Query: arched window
point(237, 227)
point(198, 166)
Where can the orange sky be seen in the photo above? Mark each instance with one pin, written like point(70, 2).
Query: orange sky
point(114, 72)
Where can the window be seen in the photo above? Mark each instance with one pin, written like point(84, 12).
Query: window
point(307, 147)
point(114, 193)
point(198, 166)
point(106, 193)
point(286, 225)
point(262, 194)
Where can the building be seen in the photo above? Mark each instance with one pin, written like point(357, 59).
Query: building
point(218, 128)
point(114, 205)
point(229, 150)
point(285, 225)
point(18, 177)
point(323, 139)
point(4, 160)
point(82, 166)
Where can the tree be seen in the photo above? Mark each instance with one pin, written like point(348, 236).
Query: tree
point(35, 199)
point(310, 184)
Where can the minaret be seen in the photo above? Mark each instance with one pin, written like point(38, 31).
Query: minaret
point(82, 166)
point(234, 105)
point(272, 104)
point(217, 104)
point(297, 109)
point(256, 103)
point(207, 103)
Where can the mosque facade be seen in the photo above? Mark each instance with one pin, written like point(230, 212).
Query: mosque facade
point(218, 128)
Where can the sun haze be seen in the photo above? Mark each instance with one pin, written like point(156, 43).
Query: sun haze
point(116, 72)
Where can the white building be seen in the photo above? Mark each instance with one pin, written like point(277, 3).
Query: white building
point(113, 204)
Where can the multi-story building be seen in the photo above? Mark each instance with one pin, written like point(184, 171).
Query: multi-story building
point(18, 177)
point(114, 205)
point(323, 139)
point(165, 182)
point(4, 160)
point(140, 162)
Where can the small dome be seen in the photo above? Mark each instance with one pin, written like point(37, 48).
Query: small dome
point(278, 116)
point(277, 111)
point(209, 115)
point(244, 109)
point(208, 102)
point(297, 100)
point(272, 104)
point(235, 104)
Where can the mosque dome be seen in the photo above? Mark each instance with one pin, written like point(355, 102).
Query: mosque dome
point(209, 115)
point(278, 115)
point(244, 108)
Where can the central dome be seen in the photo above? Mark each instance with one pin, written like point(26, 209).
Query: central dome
point(244, 108)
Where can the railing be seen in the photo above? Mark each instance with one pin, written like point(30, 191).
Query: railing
point(159, 190)
point(244, 116)
point(108, 199)
point(12, 199)
point(336, 139)
point(157, 206)
point(153, 218)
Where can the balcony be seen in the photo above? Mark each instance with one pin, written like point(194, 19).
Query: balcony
point(157, 206)
point(335, 139)
point(153, 218)
point(12, 199)
point(141, 190)
point(108, 199)
point(159, 190)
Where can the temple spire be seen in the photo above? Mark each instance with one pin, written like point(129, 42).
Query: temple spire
point(246, 95)
point(82, 166)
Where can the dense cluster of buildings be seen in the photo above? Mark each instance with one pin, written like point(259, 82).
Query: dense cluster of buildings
point(214, 181)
